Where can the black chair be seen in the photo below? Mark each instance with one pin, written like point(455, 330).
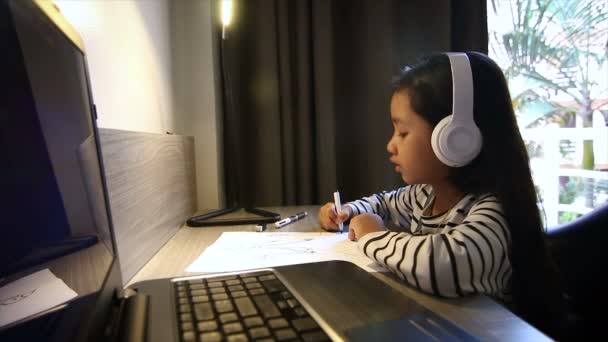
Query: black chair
point(579, 249)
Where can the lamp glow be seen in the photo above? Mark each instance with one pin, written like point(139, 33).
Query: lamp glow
point(226, 12)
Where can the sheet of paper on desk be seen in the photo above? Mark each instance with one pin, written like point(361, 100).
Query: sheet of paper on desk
point(32, 294)
point(236, 251)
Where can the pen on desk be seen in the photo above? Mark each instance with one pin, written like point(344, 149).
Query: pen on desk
point(290, 219)
point(338, 208)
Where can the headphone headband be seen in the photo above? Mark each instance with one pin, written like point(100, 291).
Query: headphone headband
point(462, 88)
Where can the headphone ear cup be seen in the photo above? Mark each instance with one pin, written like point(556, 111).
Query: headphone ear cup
point(455, 145)
point(436, 137)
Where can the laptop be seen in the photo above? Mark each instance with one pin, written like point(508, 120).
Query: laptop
point(59, 219)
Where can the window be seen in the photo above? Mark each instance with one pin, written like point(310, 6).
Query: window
point(554, 55)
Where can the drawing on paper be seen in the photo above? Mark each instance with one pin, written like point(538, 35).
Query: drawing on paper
point(235, 251)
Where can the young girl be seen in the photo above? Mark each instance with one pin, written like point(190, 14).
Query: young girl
point(468, 229)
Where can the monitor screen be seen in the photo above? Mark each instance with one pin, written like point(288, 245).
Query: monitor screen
point(54, 205)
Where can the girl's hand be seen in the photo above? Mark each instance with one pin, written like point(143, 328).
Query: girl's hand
point(363, 224)
point(329, 219)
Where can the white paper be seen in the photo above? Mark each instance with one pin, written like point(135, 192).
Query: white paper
point(236, 251)
point(32, 294)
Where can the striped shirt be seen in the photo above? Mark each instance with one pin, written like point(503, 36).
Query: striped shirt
point(460, 252)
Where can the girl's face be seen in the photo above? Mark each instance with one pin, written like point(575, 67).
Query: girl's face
point(410, 146)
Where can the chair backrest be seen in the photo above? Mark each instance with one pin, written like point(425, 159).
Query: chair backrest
point(579, 250)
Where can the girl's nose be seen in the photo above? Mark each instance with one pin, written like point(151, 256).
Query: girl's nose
point(390, 146)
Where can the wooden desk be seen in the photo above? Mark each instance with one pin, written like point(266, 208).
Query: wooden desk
point(479, 315)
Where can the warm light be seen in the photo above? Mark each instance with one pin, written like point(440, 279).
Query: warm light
point(226, 12)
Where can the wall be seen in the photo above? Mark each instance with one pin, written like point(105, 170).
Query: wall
point(194, 38)
point(127, 45)
point(152, 69)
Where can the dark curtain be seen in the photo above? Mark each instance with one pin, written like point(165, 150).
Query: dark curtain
point(308, 90)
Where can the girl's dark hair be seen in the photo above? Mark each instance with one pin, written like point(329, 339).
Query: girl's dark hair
point(501, 168)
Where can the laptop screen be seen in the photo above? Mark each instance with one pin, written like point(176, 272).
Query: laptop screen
point(57, 217)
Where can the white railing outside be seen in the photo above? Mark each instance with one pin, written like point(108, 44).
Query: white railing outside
point(547, 169)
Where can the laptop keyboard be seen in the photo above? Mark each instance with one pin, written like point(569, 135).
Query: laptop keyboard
point(245, 307)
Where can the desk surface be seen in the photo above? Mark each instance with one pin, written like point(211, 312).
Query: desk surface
point(479, 315)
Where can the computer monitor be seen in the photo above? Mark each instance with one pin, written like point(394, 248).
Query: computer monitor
point(54, 207)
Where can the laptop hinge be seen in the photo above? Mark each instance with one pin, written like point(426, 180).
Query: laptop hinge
point(130, 317)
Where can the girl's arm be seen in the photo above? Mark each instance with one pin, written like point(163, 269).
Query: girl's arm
point(468, 258)
point(395, 206)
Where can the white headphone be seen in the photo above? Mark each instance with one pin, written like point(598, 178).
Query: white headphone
point(456, 140)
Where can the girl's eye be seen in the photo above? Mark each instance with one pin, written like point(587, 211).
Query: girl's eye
point(402, 135)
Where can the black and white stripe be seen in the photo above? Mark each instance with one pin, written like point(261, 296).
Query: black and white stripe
point(460, 252)
point(395, 206)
